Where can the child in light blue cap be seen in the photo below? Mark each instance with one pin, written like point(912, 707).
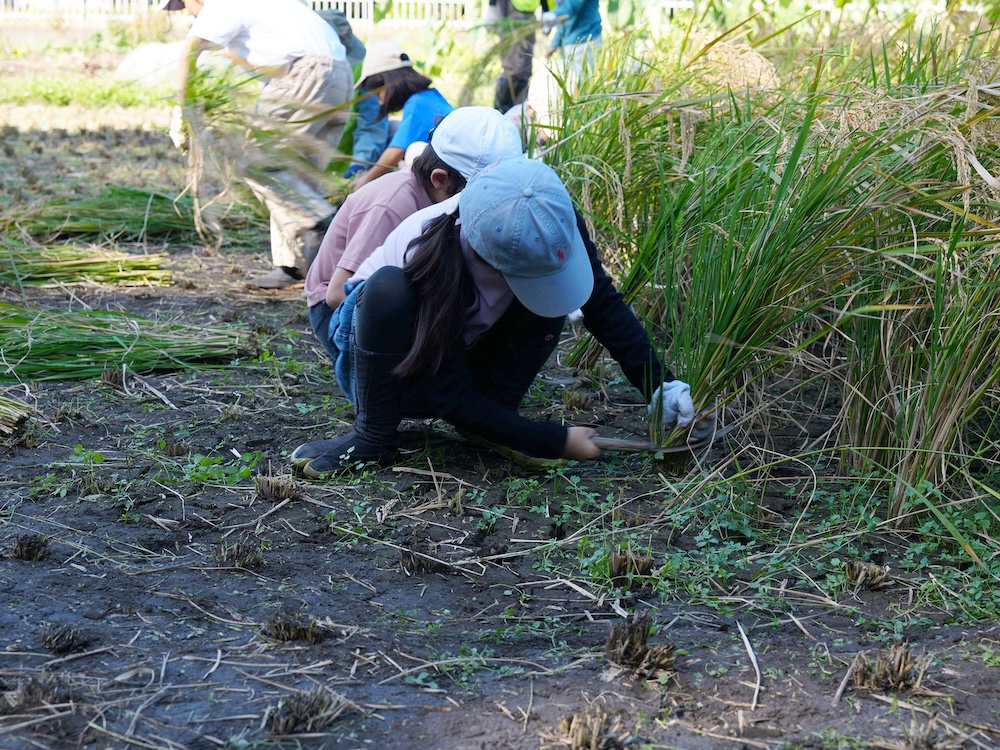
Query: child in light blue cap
point(460, 331)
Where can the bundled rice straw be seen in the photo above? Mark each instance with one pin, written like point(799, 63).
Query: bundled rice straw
point(48, 344)
point(12, 415)
point(71, 264)
point(120, 213)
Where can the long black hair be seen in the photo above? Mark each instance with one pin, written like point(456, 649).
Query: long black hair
point(426, 163)
point(399, 84)
point(439, 274)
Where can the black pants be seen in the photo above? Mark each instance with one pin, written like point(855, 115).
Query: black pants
point(504, 361)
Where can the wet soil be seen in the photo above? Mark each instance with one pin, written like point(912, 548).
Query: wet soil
point(446, 601)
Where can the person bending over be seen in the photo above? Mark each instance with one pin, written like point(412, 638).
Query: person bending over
point(466, 140)
point(461, 330)
point(307, 83)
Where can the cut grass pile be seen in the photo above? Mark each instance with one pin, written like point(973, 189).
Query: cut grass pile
point(49, 344)
point(36, 265)
point(122, 214)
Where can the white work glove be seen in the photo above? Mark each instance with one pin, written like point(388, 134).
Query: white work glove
point(492, 15)
point(674, 403)
point(549, 21)
point(178, 128)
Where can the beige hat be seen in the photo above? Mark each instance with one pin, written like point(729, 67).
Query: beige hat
point(383, 57)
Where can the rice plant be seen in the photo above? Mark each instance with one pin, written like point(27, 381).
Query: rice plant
point(34, 265)
point(49, 344)
point(856, 205)
point(923, 365)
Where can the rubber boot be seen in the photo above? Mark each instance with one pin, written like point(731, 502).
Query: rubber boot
point(373, 436)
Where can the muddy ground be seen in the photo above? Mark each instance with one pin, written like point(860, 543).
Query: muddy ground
point(453, 600)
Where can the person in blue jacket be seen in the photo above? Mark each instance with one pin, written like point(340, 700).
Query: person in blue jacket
point(389, 71)
point(578, 32)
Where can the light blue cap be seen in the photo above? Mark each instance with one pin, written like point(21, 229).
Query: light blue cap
point(518, 217)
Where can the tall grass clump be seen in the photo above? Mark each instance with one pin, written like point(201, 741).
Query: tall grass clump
point(612, 131)
point(36, 265)
point(49, 344)
point(747, 220)
point(920, 393)
point(922, 352)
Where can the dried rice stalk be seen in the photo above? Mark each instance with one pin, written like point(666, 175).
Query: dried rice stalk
point(44, 691)
point(275, 488)
point(867, 575)
point(627, 647)
point(625, 567)
point(292, 626)
point(245, 553)
point(591, 730)
point(898, 670)
point(30, 547)
point(13, 415)
point(311, 711)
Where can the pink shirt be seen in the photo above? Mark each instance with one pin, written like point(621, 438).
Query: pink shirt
point(361, 224)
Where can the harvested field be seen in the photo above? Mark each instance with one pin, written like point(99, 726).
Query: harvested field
point(169, 584)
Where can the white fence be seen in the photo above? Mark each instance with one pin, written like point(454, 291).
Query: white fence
point(403, 12)
point(75, 8)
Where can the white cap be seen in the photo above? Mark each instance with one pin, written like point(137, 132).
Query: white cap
point(469, 138)
point(383, 57)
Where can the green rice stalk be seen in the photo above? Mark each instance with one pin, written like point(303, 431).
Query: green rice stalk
point(34, 265)
point(49, 344)
point(741, 244)
point(117, 213)
point(924, 366)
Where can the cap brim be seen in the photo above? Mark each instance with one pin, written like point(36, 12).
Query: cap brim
point(559, 293)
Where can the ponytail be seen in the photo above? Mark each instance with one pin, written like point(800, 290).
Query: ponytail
point(441, 280)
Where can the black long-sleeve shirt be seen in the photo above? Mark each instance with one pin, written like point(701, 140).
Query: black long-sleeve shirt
point(456, 399)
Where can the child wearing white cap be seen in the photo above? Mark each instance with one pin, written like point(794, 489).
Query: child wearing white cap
point(463, 143)
point(462, 329)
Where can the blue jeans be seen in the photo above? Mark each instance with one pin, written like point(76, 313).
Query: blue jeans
point(335, 330)
point(370, 134)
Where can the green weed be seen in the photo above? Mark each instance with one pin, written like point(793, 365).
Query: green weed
point(85, 92)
